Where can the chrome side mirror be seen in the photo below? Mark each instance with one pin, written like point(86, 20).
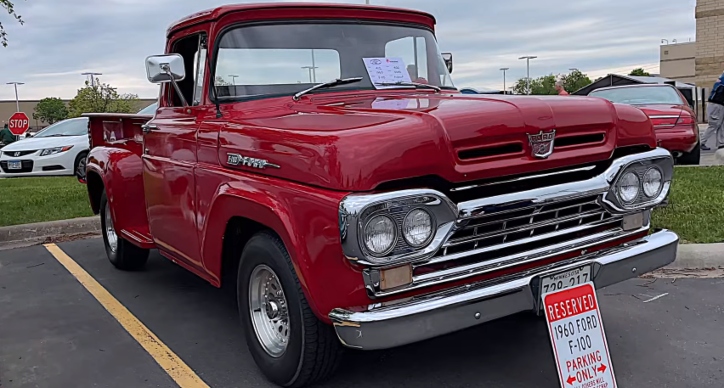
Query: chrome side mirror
point(167, 68)
point(447, 57)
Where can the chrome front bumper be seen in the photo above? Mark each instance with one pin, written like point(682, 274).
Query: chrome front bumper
point(432, 315)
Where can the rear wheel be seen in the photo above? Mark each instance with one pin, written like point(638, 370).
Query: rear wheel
point(289, 344)
point(121, 253)
point(691, 158)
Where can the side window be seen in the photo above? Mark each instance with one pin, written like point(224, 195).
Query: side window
point(193, 50)
point(413, 52)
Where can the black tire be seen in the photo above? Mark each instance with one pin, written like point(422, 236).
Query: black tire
point(313, 351)
point(691, 158)
point(80, 162)
point(125, 256)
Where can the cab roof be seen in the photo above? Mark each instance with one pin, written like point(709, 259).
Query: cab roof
point(215, 13)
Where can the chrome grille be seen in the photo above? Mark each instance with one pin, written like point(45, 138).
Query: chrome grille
point(529, 223)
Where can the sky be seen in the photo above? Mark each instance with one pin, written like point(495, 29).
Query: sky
point(63, 38)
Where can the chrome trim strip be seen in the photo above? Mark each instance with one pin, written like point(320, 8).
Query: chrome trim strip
point(523, 178)
point(387, 325)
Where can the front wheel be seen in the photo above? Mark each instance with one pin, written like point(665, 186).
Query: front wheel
point(121, 253)
point(287, 341)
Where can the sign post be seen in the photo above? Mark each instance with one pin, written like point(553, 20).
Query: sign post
point(578, 339)
point(18, 123)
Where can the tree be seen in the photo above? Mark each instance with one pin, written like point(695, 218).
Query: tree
point(539, 86)
point(640, 72)
point(50, 110)
point(101, 98)
point(220, 81)
point(8, 6)
point(575, 81)
point(546, 85)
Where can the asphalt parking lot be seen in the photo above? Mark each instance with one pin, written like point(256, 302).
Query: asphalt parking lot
point(54, 333)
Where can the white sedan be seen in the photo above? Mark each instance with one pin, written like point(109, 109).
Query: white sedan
point(56, 150)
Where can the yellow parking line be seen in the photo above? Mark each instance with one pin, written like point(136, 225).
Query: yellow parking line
point(181, 373)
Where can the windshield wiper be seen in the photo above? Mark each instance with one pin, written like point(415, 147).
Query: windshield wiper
point(415, 84)
point(338, 81)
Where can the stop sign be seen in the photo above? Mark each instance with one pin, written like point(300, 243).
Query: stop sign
point(18, 123)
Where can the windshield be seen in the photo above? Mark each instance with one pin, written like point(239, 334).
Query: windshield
point(641, 95)
point(284, 59)
point(70, 127)
point(149, 110)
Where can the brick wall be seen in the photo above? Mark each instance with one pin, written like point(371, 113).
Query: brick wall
point(709, 41)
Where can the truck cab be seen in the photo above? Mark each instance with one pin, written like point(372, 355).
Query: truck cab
point(319, 160)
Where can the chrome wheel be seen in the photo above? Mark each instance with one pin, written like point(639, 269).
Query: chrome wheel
point(111, 235)
point(268, 310)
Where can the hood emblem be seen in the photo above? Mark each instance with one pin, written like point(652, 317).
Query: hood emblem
point(17, 154)
point(239, 160)
point(541, 143)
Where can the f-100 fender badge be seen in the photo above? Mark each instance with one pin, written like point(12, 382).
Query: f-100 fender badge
point(541, 143)
point(240, 160)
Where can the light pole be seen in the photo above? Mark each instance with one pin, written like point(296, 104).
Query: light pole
point(92, 77)
point(664, 40)
point(233, 78)
point(17, 102)
point(504, 69)
point(527, 80)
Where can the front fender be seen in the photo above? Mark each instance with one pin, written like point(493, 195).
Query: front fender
point(306, 220)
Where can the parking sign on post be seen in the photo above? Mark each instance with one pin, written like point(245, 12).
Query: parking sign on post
point(579, 342)
point(18, 123)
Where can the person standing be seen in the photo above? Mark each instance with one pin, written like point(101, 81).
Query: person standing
point(6, 137)
point(559, 88)
point(715, 115)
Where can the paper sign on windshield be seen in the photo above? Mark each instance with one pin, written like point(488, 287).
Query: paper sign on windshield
point(579, 342)
point(386, 70)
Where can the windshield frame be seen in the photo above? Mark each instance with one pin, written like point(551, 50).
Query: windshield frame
point(681, 101)
point(214, 53)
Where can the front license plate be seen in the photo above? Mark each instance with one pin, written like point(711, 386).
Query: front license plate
point(14, 165)
point(562, 280)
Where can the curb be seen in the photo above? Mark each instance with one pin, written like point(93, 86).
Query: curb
point(16, 236)
point(699, 256)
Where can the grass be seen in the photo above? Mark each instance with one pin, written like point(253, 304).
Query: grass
point(27, 200)
point(696, 205)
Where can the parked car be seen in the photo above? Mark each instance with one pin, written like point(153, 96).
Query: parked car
point(360, 213)
point(673, 118)
point(58, 149)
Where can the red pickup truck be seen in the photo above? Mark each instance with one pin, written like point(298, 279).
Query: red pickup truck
point(379, 208)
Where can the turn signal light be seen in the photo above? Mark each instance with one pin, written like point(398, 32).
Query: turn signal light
point(395, 277)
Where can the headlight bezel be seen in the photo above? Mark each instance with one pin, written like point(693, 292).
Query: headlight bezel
point(355, 211)
point(660, 159)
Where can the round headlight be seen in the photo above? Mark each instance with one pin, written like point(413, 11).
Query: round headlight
point(417, 227)
point(652, 182)
point(380, 235)
point(628, 187)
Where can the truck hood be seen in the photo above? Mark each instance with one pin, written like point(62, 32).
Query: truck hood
point(355, 143)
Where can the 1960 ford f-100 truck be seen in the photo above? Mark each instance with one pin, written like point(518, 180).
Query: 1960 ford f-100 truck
point(378, 209)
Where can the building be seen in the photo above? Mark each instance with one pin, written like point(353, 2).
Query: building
point(8, 107)
point(709, 44)
point(677, 61)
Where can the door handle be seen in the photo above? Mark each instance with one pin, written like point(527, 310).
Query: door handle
point(148, 127)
